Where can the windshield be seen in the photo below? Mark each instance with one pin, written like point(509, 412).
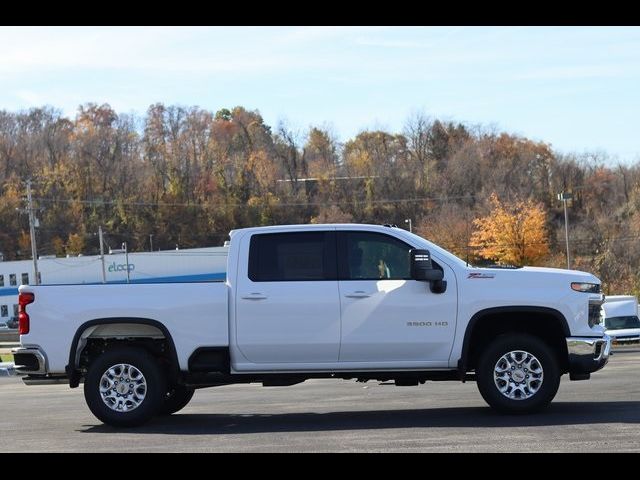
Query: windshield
point(618, 323)
point(418, 240)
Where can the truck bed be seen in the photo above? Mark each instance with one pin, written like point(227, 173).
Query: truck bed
point(194, 314)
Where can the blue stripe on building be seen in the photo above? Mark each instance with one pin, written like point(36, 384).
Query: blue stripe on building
point(202, 277)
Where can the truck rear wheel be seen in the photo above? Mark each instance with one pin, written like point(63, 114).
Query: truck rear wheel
point(124, 387)
point(518, 373)
point(176, 398)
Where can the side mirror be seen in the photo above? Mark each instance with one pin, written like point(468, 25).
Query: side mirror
point(422, 268)
point(423, 271)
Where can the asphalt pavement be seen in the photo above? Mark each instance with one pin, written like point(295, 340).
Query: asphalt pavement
point(599, 415)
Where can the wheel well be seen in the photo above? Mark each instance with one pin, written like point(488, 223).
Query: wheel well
point(96, 337)
point(545, 326)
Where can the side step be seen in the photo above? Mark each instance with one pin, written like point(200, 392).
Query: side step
point(29, 380)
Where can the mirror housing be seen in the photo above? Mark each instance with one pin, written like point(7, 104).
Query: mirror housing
point(422, 268)
point(423, 271)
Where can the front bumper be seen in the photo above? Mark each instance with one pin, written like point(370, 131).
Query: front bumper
point(625, 339)
point(588, 354)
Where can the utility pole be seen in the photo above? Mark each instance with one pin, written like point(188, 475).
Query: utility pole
point(565, 196)
point(32, 231)
point(126, 260)
point(408, 220)
point(151, 242)
point(104, 273)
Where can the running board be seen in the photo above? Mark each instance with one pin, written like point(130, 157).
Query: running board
point(45, 380)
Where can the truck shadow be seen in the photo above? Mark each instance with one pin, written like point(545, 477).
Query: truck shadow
point(560, 413)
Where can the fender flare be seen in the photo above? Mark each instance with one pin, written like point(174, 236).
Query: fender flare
point(71, 369)
point(466, 343)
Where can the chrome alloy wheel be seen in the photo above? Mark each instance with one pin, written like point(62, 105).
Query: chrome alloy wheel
point(518, 375)
point(123, 387)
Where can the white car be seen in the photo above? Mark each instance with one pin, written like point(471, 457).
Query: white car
point(620, 313)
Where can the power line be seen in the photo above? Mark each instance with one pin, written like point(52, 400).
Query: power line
point(284, 204)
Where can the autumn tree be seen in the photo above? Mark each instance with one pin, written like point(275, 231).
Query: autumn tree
point(512, 234)
point(188, 175)
point(332, 214)
point(320, 153)
point(449, 227)
point(75, 244)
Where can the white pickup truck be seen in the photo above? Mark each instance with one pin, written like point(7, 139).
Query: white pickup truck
point(362, 302)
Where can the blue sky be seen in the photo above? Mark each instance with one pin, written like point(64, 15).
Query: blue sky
point(577, 88)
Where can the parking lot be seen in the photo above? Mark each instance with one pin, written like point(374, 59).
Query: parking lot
point(332, 415)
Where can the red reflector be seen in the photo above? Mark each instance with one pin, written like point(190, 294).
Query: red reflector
point(23, 323)
point(24, 299)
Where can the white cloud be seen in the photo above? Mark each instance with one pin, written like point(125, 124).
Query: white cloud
point(25, 50)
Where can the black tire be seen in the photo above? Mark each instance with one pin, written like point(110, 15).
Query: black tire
point(154, 380)
point(176, 399)
point(488, 386)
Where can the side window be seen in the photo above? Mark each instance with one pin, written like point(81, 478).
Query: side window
point(25, 279)
point(375, 256)
point(12, 279)
point(15, 310)
point(279, 257)
point(1, 280)
point(4, 311)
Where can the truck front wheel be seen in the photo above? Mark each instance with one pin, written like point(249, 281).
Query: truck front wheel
point(518, 373)
point(124, 387)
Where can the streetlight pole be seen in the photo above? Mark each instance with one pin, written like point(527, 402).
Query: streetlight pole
point(565, 196)
point(104, 273)
point(126, 259)
point(408, 220)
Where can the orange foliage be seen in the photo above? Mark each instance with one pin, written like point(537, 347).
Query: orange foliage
point(513, 235)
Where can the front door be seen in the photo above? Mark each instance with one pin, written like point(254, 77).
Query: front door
point(386, 316)
point(287, 303)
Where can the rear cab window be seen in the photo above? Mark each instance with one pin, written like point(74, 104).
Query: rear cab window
point(292, 257)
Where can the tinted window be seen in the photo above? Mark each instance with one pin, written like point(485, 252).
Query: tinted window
point(375, 256)
point(12, 279)
point(4, 311)
point(25, 279)
point(618, 323)
point(15, 310)
point(277, 257)
point(1, 280)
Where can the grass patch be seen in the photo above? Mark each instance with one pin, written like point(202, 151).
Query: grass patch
point(6, 357)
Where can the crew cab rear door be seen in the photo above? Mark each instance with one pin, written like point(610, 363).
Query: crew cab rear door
point(287, 302)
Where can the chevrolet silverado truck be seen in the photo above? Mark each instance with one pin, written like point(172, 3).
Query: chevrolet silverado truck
point(346, 301)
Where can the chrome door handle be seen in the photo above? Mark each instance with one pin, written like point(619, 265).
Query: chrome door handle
point(254, 296)
point(357, 294)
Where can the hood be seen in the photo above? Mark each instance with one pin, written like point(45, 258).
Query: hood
point(539, 272)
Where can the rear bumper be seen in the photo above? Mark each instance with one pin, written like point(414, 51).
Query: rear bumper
point(29, 361)
point(588, 354)
point(31, 364)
